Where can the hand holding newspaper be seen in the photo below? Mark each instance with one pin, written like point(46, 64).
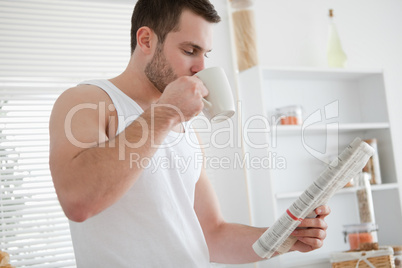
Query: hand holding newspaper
point(348, 164)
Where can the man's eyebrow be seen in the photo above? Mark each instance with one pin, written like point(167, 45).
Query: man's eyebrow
point(194, 45)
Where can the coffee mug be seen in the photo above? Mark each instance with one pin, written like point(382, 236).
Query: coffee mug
point(218, 104)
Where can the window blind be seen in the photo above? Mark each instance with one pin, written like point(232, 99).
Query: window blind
point(46, 46)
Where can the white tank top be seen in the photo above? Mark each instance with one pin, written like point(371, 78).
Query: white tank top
point(154, 224)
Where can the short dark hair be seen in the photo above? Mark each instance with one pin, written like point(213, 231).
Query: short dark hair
point(163, 16)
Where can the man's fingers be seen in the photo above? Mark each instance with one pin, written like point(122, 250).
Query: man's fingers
point(314, 223)
point(314, 243)
point(204, 91)
point(323, 211)
point(310, 233)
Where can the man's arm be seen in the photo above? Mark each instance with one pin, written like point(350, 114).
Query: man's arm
point(89, 170)
point(90, 167)
point(232, 243)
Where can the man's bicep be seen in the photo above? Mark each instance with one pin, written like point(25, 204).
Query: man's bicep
point(76, 124)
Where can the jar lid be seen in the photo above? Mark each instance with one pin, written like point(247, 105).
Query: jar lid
point(291, 109)
point(370, 141)
point(360, 228)
point(241, 4)
point(397, 249)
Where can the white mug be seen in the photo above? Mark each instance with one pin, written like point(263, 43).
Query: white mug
point(218, 104)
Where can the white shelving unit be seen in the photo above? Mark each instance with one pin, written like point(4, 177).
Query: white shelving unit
point(338, 105)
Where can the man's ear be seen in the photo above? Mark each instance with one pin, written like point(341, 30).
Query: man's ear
point(146, 39)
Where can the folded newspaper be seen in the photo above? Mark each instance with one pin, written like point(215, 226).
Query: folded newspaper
point(347, 165)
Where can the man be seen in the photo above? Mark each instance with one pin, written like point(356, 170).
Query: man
point(125, 213)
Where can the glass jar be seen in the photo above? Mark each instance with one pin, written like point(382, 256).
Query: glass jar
point(398, 256)
point(373, 165)
point(364, 197)
point(290, 115)
point(245, 35)
point(361, 236)
point(241, 4)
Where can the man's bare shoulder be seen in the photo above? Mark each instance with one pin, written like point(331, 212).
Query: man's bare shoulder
point(81, 105)
point(83, 94)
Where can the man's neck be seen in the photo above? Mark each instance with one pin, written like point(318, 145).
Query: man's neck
point(135, 84)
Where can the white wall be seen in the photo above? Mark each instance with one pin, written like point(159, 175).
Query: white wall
point(294, 33)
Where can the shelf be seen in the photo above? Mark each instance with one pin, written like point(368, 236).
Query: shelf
point(305, 73)
point(338, 105)
point(379, 187)
point(295, 260)
point(293, 129)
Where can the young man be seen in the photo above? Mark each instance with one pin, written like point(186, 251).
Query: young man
point(106, 137)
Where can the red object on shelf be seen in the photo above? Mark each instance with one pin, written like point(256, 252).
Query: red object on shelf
point(359, 238)
point(290, 120)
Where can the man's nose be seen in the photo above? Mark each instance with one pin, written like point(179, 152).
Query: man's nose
point(198, 65)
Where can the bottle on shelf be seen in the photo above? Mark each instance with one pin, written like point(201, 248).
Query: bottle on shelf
point(336, 57)
point(373, 165)
point(363, 236)
point(364, 197)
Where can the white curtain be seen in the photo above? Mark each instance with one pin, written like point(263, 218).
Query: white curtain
point(46, 47)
